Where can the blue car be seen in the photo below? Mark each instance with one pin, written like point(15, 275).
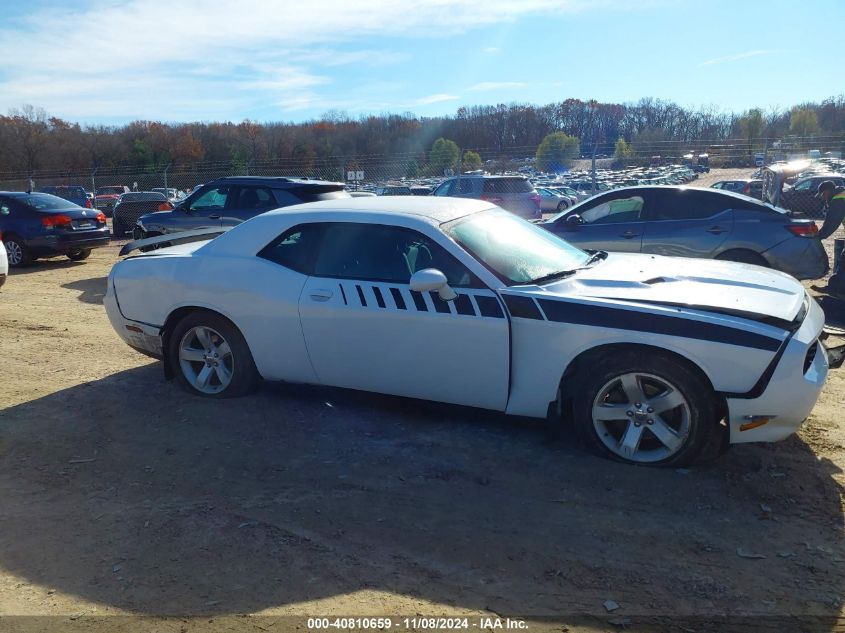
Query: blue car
point(72, 193)
point(37, 225)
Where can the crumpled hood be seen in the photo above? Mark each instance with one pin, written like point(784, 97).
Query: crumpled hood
point(703, 284)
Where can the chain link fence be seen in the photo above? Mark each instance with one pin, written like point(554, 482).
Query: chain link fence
point(732, 166)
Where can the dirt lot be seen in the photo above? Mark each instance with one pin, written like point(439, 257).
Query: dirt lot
point(123, 495)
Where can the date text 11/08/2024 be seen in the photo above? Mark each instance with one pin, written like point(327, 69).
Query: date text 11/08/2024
point(416, 623)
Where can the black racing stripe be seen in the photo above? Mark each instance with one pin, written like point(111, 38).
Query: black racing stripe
point(523, 307)
point(361, 296)
point(463, 305)
point(398, 299)
point(439, 304)
point(379, 298)
point(600, 316)
point(419, 301)
point(489, 306)
point(343, 294)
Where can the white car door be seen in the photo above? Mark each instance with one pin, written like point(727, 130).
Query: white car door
point(365, 329)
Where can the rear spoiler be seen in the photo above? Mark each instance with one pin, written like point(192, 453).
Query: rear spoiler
point(171, 239)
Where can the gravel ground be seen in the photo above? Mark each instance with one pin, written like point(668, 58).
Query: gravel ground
point(122, 495)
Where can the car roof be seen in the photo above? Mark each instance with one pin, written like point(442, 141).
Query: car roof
point(433, 209)
point(273, 180)
point(708, 190)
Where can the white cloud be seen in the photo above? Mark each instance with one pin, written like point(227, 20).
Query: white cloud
point(487, 86)
point(161, 59)
point(737, 57)
point(435, 99)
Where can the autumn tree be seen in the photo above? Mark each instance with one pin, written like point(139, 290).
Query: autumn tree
point(803, 122)
point(472, 161)
point(556, 151)
point(445, 154)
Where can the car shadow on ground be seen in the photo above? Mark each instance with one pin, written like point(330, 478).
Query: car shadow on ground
point(91, 290)
point(41, 265)
point(130, 493)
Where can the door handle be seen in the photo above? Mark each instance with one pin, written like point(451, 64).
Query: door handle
point(716, 230)
point(321, 295)
point(629, 234)
point(214, 217)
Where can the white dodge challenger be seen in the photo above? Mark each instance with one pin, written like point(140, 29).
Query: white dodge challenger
point(646, 358)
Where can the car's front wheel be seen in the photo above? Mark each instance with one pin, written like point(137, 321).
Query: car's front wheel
point(210, 356)
point(644, 408)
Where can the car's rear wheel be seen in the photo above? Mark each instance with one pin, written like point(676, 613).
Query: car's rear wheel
point(17, 252)
point(211, 357)
point(743, 256)
point(562, 206)
point(79, 254)
point(644, 408)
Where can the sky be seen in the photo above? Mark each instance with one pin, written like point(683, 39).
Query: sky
point(114, 61)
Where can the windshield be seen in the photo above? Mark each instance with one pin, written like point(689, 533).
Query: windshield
point(517, 251)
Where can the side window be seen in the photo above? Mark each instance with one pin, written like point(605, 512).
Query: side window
point(254, 198)
point(688, 205)
point(211, 199)
point(614, 210)
point(445, 189)
point(466, 186)
point(385, 253)
point(807, 185)
point(295, 248)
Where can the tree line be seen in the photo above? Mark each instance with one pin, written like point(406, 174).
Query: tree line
point(32, 140)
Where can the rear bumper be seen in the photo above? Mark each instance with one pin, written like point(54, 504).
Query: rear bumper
point(801, 257)
point(791, 393)
point(59, 244)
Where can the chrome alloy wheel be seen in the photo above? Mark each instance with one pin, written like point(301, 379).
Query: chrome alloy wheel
point(641, 417)
point(206, 360)
point(14, 252)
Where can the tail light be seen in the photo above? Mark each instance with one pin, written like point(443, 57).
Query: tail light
point(53, 221)
point(803, 230)
point(87, 203)
point(747, 188)
point(493, 199)
point(536, 199)
point(165, 206)
point(101, 217)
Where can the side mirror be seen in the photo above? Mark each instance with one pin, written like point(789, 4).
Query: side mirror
point(574, 221)
point(430, 280)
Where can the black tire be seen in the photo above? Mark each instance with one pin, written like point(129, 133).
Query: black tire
point(17, 252)
point(79, 254)
point(743, 256)
point(562, 206)
point(696, 422)
point(244, 375)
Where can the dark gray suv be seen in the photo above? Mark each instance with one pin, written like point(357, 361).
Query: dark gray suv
point(513, 193)
point(232, 200)
point(693, 222)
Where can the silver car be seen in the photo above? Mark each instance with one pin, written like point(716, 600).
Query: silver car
point(512, 193)
point(695, 222)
